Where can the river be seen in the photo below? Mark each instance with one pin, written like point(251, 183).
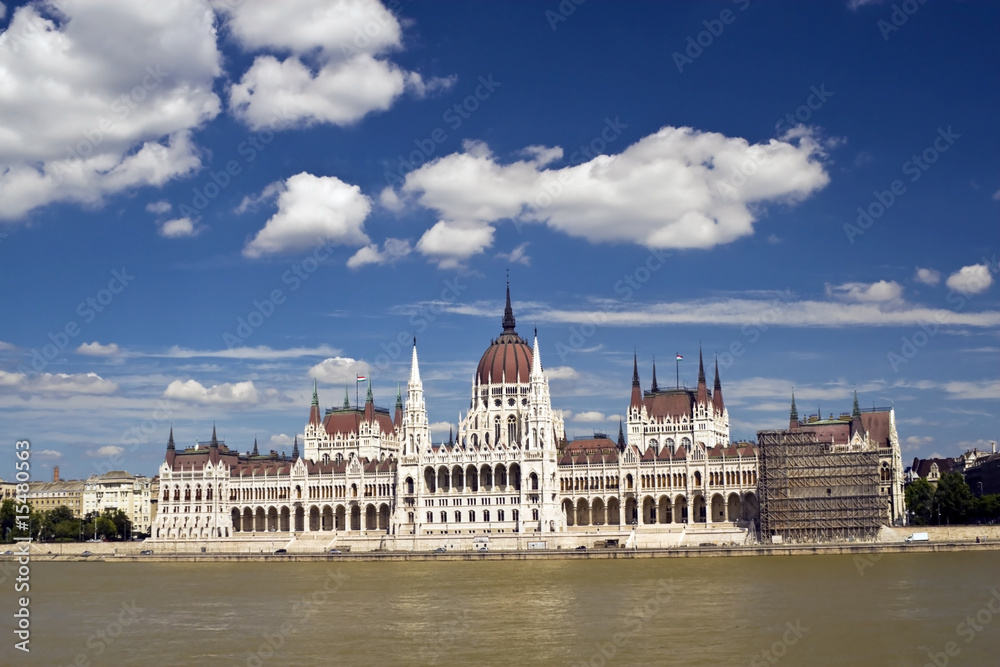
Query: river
point(897, 609)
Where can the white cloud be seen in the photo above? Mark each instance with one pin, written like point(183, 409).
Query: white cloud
point(336, 71)
point(227, 393)
point(439, 431)
point(158, 207)
point(518, 255)
point(261, 352)
point(985, 389)
point(918, 440)
point(102, 97)
point(338, 370)
point(46, 454)
point(973, 279)
point(106, 451)
point(179, 228)
point(280, 440)
point(562, 373)
point(340, 93)
point(7, 346)
point(451, 243)
point(677, 188)
point(591, 416)
point(927, 276)
point(95, 349)
point(3, 10)
point(313, 210)
point(57, 383)
point(880, 292)
point(392, 250)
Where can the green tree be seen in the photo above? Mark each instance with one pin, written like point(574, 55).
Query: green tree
point(919, 498)
point(106, 528)
point(953, 498)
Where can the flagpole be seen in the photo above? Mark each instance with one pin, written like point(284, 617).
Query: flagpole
point(357, 402)
point(677, 368)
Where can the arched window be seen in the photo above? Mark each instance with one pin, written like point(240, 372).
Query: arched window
point(486, 515)
point(444, 517)
point(409, 485)
point(511, 430)
point(499, 515)
point(430, 517)
point(472, 515)
point(326, 459)
point(458, 516)
point(496, 429)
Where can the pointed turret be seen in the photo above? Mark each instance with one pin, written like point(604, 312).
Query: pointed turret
point(295, 448)
point(415, 365)
point(654, 388)
point(717, 390)
point(215, 440)
point(636, 387)
point(793, 416)
point(451, 436)
point(621, 436)
point(347, 398)
point(702, 385)
point(171, 450)
point(397, 419)
point(314, 416)
point(856, 412)
point(255, 452)
point(536, 360)
point(369, 403)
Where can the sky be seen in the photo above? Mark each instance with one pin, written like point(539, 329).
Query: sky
point(206, 207)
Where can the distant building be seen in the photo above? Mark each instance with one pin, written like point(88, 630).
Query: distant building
point(984, 477)
point(8, 490)
point(118, 490)
point(45, 496)
point(932, 469)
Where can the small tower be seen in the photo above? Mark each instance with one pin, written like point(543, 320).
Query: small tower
point(793, 416)
point(295, 448)
point(171, 450)
point(856, 412)
point(717, 402)
point(314, 416)
point(397, 419)
point(636, 401)
point(702, 384)
point(654, 388)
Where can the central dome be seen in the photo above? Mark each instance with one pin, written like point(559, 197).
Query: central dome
point(508, 358)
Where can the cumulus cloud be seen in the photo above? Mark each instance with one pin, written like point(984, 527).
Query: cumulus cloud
point(234, 393)
point(880, 292)
point(439, 431)
point(338, 370)
point(57, 383)
point(927, 276)
point(261, 352)
point(985, 389)
point(179, 228)
point(392, 250)
point(918, 440)
point(591, 416)
point(973, 279)
point(280, 440)
point(562, 373)
point(102, 97)
point(336, 71)
point(312, 210)
point(7, 346)
point(106, 451)
point(95, 349)
point(677, 188)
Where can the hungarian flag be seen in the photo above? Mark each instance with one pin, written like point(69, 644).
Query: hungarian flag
point(679, 357)
point(361, 378)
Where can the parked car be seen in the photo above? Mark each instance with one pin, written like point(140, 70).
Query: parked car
point(582, 547)
point(8, 553)
point(86, 553)
point(440, 550)
point(336, 551)
point(146, 552)
point(281, 551)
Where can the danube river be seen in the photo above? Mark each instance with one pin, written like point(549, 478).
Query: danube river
point(898, 609)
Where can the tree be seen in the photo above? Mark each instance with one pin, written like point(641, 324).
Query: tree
point(953, 498)
point(919, 498)
point(106, 528)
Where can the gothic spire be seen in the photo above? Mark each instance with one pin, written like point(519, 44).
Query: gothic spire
point(295, 448)
point(717, 390)
point(369, 398)
point(315, 400)
point(636, 387)
point(314, 417)
point(621, 436)
point(170, 441)
point(215, 440)
point(654, 387)
point(347, 398)
point(536, 360)
point(856, 412)
point(255, 452)
point(702, 385)
point(794, 414)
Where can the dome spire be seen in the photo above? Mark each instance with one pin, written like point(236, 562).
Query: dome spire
point(508, 312)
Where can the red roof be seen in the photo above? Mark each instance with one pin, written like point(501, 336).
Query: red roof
point(672, 403)
point(349, 421)
point(507, 358)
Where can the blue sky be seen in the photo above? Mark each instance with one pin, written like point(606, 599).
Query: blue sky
point(205, 207)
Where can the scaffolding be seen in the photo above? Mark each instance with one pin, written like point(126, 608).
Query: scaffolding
point(812, 491)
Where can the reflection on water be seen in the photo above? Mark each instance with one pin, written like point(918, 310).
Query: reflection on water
point(804, 610)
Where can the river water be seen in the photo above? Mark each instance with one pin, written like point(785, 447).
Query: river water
point(898, 609)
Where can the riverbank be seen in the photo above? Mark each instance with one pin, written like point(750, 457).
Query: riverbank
point(864, 549)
